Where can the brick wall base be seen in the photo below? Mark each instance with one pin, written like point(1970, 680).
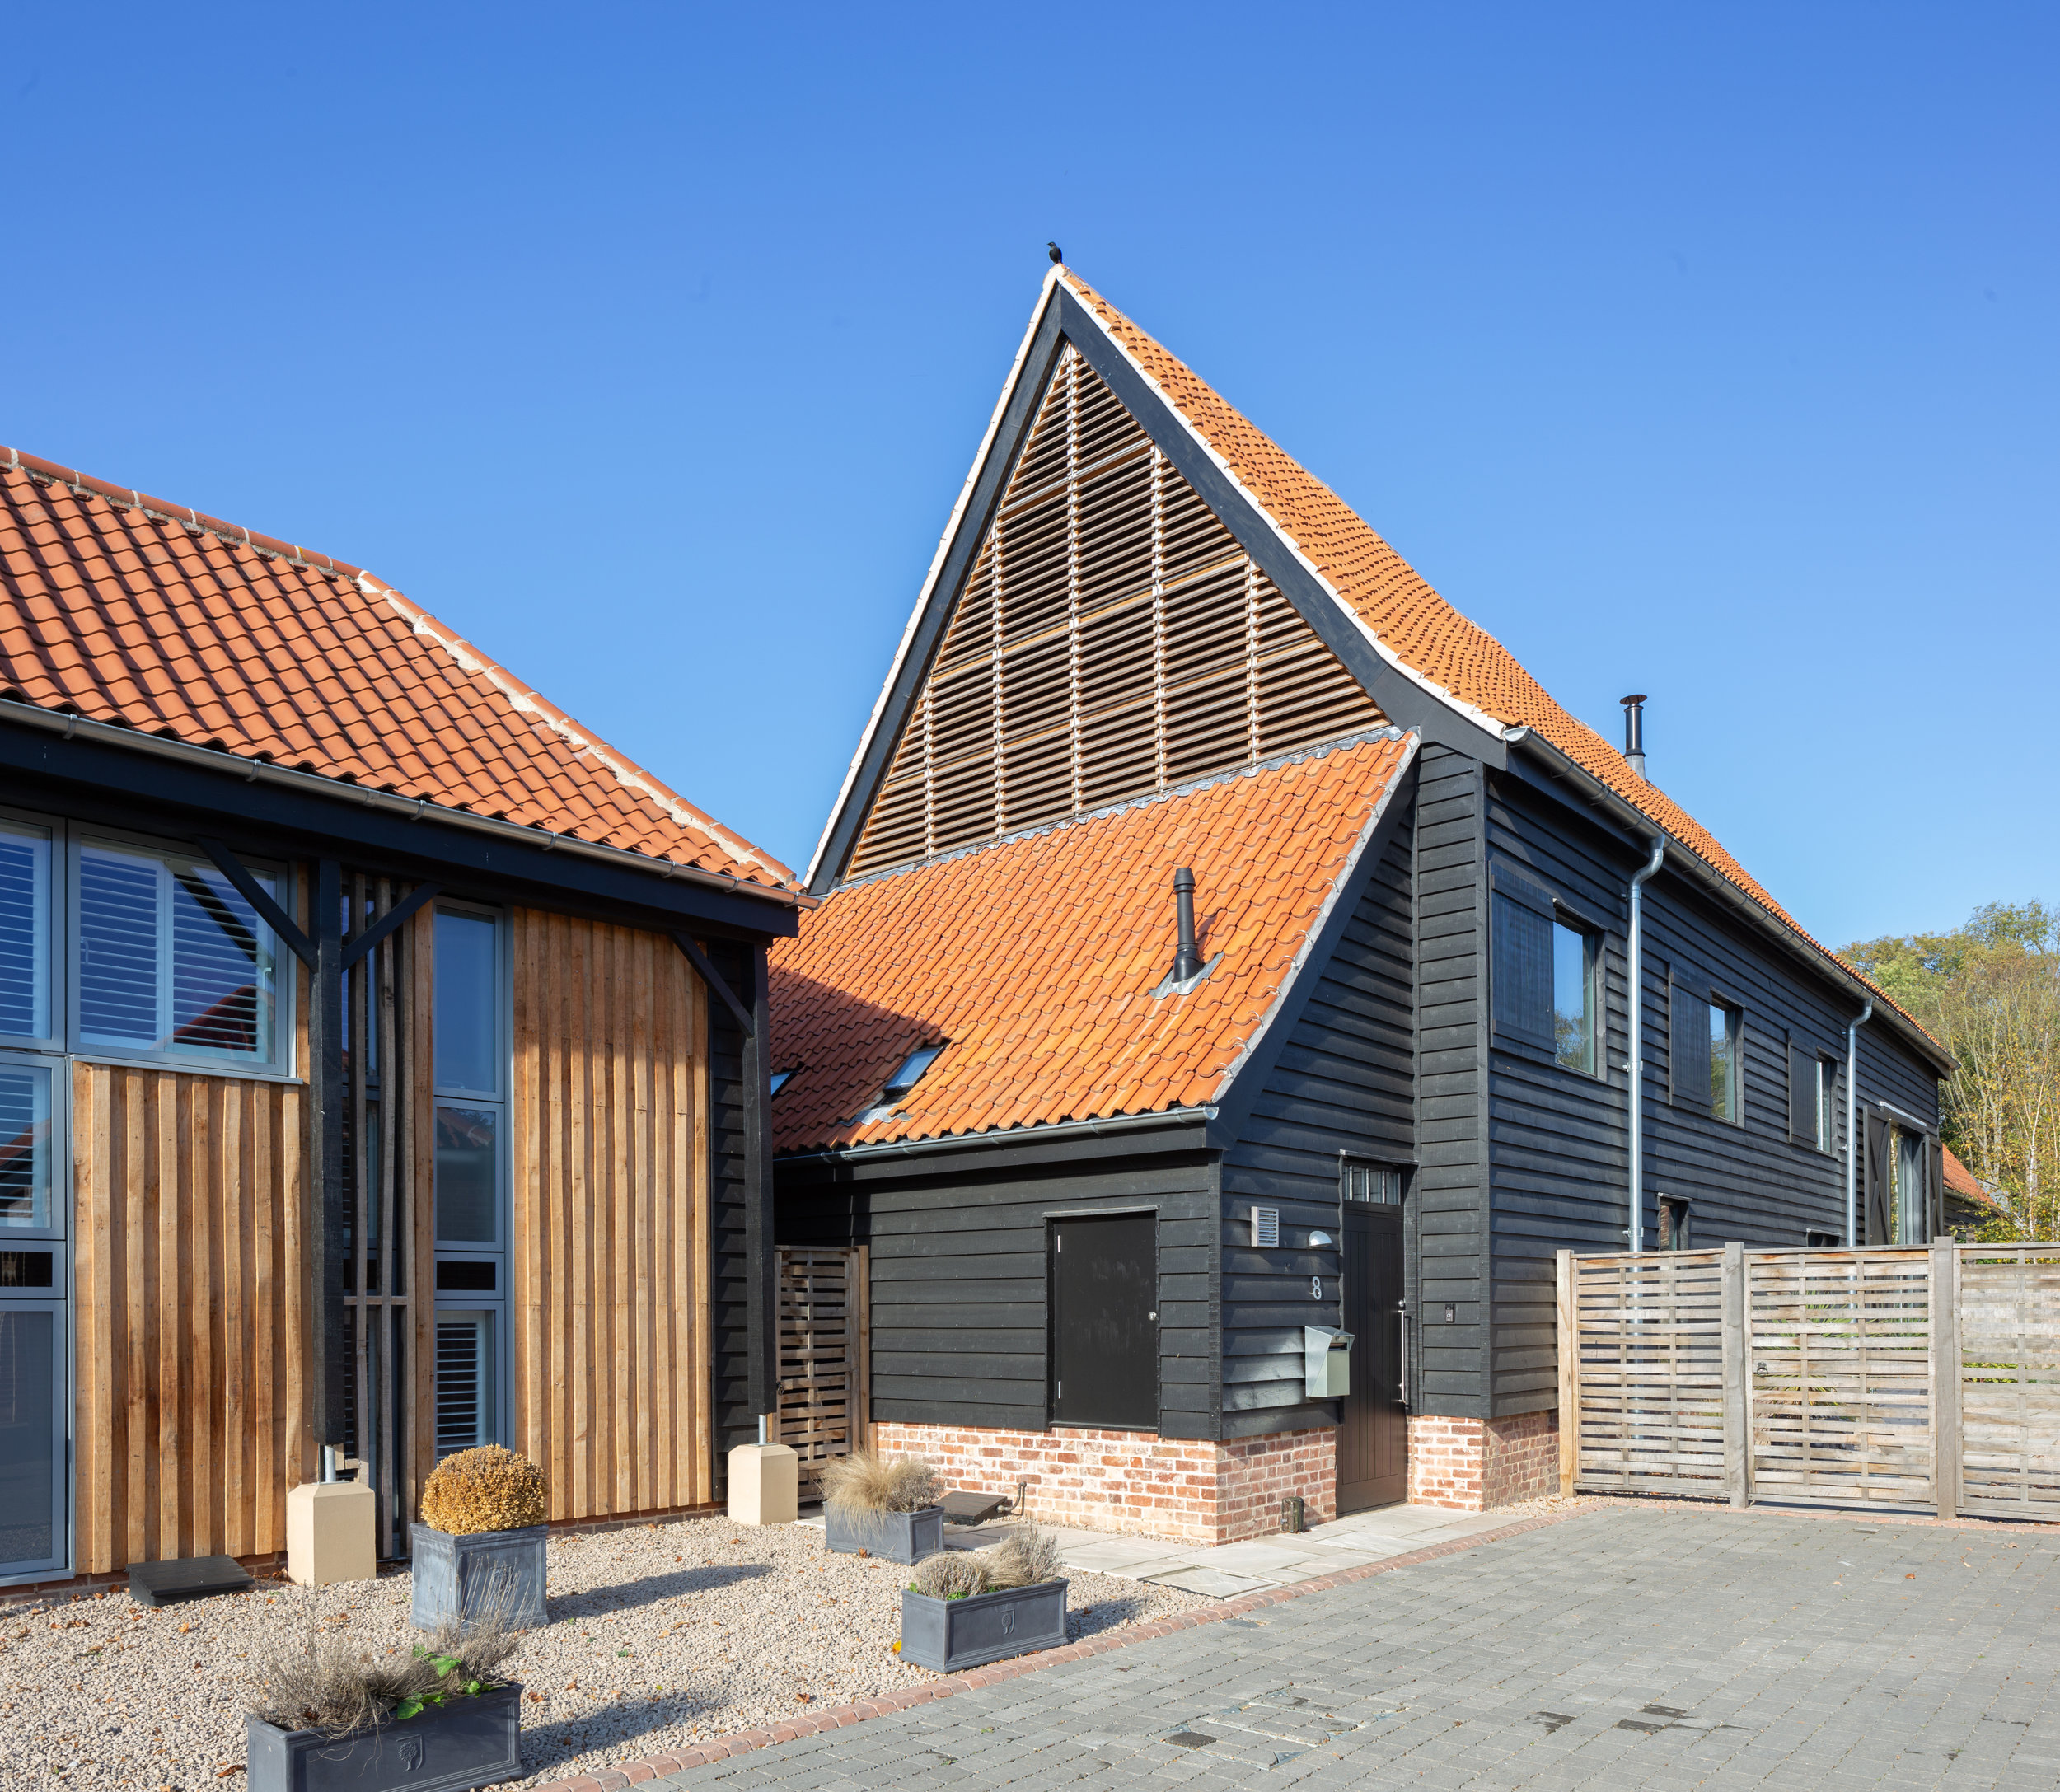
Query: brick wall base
point(1474, 1465)
point(1183, 1488)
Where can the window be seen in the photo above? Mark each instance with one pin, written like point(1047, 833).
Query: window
point(1826, 1105)
point(1546, 976)
point(24, 1147)
point(25, 931)
point(1821, 1241)
point(470, 1052)
point(780, 1079)
point(1909, 1188)
point(1674, 1216)
point(902, 1081)
point(1813, 1086)
point(1370, 1182)
point(171, 958)
point(1726, 1030)
point(1574, 1003)
point(1708, 1039)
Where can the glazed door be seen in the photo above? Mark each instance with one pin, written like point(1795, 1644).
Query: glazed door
point(1372, 1444)
point(1105, 1322)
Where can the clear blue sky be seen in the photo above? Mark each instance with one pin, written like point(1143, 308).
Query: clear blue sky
point(1709, 352)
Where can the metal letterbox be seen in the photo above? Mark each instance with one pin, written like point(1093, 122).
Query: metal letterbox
point(1326, 1362)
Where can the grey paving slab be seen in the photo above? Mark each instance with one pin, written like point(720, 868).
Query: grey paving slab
point(1638, 1648)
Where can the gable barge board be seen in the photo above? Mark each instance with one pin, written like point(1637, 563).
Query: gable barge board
point(97, 781)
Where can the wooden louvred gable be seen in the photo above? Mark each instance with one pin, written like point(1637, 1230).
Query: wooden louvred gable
point(1112, 640)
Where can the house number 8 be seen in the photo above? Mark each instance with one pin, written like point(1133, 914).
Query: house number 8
point(1316, 1288)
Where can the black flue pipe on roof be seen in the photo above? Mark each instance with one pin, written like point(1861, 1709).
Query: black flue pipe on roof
point(1186, 956)
point(1634, 731)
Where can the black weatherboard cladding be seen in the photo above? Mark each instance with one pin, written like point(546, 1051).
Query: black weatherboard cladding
point(1343, 1081)
point(1559, 1141)
point(960, 1259)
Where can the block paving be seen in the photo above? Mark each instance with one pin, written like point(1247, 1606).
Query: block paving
point(1624, 1646)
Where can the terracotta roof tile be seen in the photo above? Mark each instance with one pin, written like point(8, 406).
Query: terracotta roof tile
point(1035, 959)
point(130, 610)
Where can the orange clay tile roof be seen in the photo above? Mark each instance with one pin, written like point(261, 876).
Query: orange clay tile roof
point(131, 610)
point(1036, 958)
point(1961, 1181)
point(1416, 626)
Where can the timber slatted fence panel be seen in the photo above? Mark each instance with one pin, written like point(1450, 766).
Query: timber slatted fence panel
point(2010, 1381)
point(1887, 1376)
point(1839, 1374)
point(1651, 1382)
point(822, 1396)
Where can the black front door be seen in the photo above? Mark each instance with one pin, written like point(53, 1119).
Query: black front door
point(1372, 1444)
point(1105, 1322)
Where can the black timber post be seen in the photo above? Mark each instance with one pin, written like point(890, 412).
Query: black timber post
point(326, 1144)
point(762, 1325)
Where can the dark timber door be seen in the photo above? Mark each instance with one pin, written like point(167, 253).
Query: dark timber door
point(1105, 1322)
point(1373, 1446)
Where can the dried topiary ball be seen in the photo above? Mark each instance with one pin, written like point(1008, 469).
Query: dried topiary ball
point(483, 1490)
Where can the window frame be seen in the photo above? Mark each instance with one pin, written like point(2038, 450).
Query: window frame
point(1523, 893)
point(60, 1155)
point(57, 909)
point(456, 1303)
point(278, 1065)
point(1593, 946)
point(1734, 1013)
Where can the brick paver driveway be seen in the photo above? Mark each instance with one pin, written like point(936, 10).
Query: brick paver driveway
point(1622, 1648)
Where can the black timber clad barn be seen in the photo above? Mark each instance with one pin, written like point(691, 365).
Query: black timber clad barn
point(1433, 1097)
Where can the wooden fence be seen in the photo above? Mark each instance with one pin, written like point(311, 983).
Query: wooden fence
point(824, 1345)
point(1886, 1377)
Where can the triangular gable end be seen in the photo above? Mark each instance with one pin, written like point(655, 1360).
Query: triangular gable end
point(1112, 639)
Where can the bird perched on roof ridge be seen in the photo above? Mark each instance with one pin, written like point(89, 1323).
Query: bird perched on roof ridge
point(1057, 256)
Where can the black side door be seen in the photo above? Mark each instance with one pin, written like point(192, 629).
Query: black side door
point(1104, 1281)
point(1372, 1443)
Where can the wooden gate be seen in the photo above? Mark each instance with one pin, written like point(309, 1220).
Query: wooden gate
point(824, 1347)
point(1883, 1377)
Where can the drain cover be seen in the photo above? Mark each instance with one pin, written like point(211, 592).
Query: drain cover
point(1188, 1738)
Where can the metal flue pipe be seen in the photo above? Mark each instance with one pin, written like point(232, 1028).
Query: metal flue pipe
point(1187, 955)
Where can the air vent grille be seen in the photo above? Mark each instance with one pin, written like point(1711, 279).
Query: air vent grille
point(1265, 1229)
point(1112, 639)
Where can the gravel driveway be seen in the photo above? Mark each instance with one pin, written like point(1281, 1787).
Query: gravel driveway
point(659, 1634)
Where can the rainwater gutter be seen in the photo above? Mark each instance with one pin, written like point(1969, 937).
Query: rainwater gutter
point(1852, 1132)
point(1637, 1065)
point(388, 802)
point(1172, 1118)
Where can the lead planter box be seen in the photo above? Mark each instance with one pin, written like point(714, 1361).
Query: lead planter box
point(468, 1742)
point(947, 1635)
point(464, 1576)
point(898, 1536)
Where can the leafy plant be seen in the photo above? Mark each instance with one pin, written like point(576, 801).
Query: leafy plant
point(862, 1482)
point(328, 1683)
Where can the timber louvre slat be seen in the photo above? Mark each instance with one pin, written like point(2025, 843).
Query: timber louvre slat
point(1112, 639)
point(821, 1356)
point(1842, 1355)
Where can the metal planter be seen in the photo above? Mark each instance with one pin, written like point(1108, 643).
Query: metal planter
point(894, 1536)
point(468, 1742)
point(947, 1635)
point(464, 1576)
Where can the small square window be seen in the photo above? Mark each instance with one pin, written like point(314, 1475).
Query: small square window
point(780, 1079)
point(903, 1080)
point(1371, 1183)
point(1674, 1223)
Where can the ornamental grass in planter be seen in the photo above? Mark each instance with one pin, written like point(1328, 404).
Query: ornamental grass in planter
point(326, 1714)
point(966, 1607)
point(891, 1510)
point(480, 1543)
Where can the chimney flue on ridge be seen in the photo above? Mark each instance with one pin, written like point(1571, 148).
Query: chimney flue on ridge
point(1634, 731)
point(1186, 956)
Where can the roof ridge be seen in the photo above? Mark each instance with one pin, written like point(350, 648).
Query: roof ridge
point(469, 658)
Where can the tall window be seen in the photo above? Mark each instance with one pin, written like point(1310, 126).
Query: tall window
point(1826, 1105)
point(1727, 1039)
point(1708, 1047)
point(471, 1052)
point(1574, 1007)
point(25, 931)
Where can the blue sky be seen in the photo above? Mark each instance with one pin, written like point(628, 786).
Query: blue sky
point(1707, 353)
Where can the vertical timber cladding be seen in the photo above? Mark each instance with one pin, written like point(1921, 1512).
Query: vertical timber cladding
point(611, 1362)
point(1112, 639)
point(191, 1216)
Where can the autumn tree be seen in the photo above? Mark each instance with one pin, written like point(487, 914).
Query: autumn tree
point(1990, 991)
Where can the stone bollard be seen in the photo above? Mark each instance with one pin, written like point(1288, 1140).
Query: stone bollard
point(763, 1482)
point(330, 1533)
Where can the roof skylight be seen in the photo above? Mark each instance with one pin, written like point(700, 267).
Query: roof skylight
point(902, 1081)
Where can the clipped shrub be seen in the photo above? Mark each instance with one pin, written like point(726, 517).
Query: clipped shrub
point(489, 1489)
point(861, 1482)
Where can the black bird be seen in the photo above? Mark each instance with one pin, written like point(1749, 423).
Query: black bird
point(1056, 255)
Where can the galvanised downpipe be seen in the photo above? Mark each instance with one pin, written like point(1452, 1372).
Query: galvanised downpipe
point(1637, 1066)
point(1852, 1132)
